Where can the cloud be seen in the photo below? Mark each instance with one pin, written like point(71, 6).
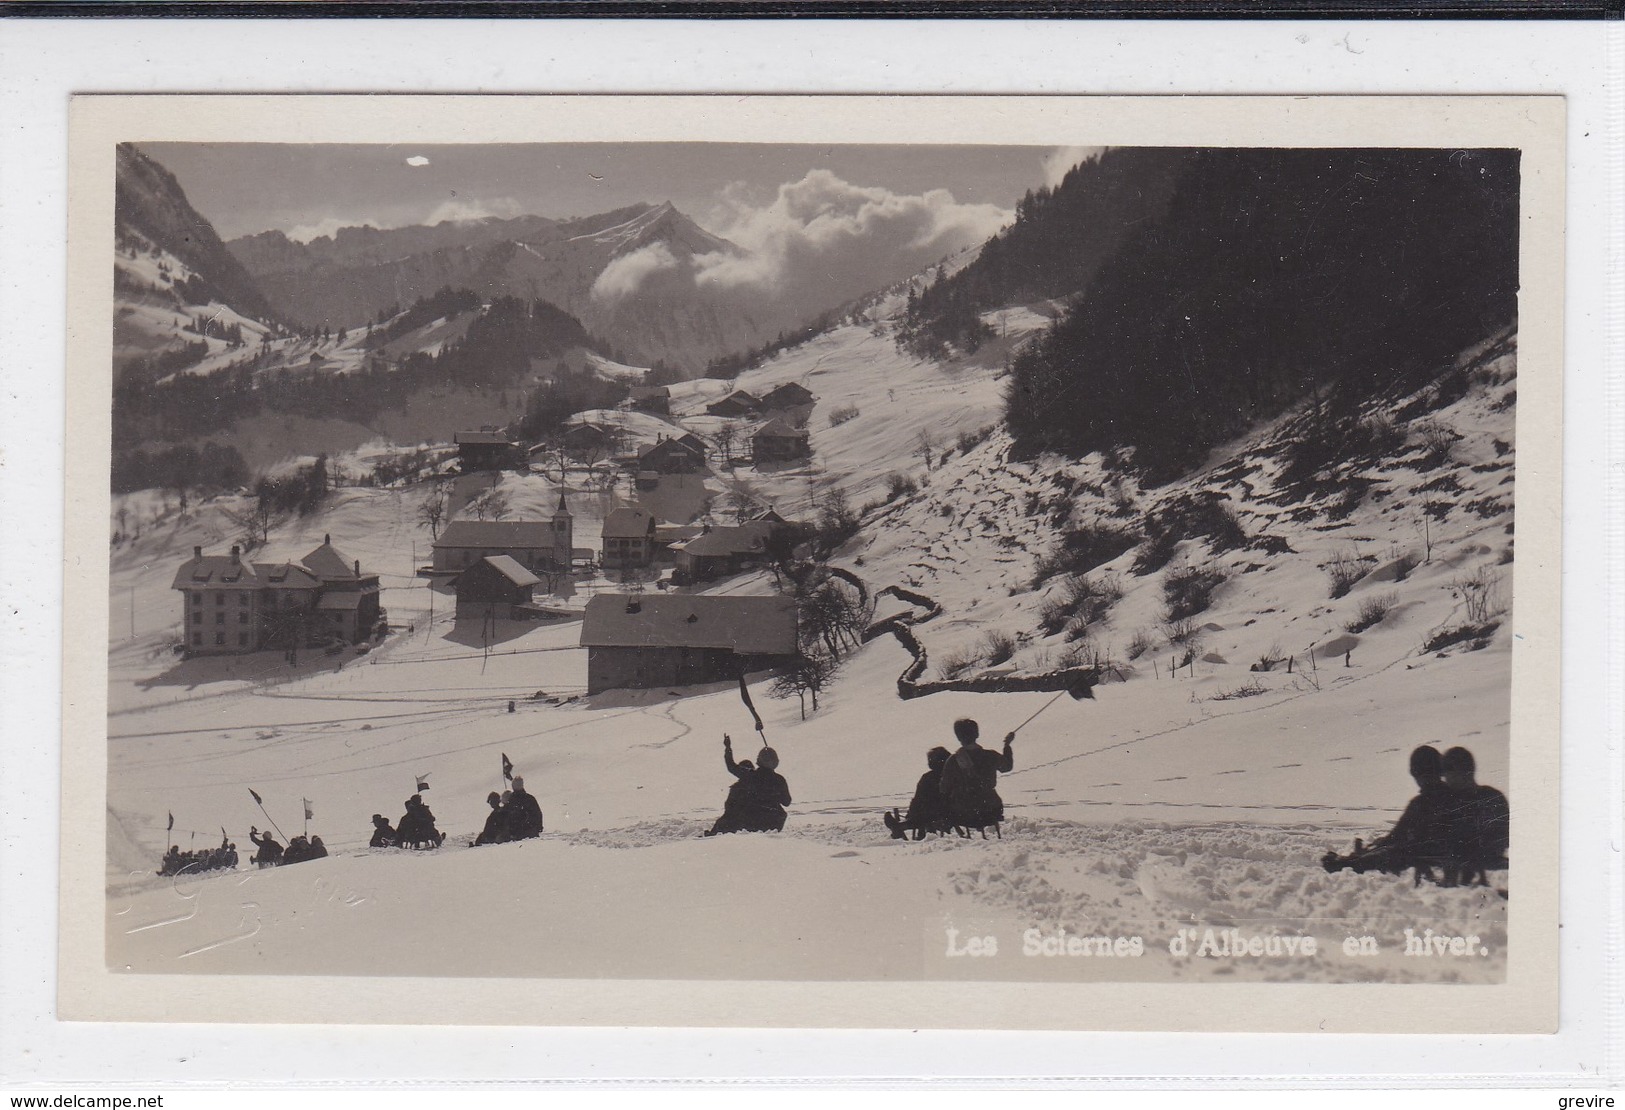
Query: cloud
point(330, 226)
point(625, 274)
point(824, 237)
point(417, 160)
point(462, 210)
point(1058, 161)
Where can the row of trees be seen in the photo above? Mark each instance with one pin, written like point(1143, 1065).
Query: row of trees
point(212, 466)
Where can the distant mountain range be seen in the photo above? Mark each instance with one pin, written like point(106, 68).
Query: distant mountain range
point(361, 273)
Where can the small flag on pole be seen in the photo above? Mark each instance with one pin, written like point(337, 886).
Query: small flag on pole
point(257, 799)
point(423, 783)
point(744, 696)
point(507, 768)
point(171, 821)
point(309, 813)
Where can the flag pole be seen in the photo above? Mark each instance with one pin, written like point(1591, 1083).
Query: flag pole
point(268, 816)
point(744, 696)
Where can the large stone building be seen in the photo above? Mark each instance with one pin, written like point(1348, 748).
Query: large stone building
point(639, 641)
point(231, 606)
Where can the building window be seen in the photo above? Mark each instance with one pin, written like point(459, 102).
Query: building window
point(197, 639)
point(242, 601)
point(196, 596)
point(242, 618)
point(220, 597)
point(242, 639)
point(220, 618)
point(220, 638)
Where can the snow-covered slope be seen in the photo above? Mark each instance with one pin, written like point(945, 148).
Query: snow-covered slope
point(1197, 799)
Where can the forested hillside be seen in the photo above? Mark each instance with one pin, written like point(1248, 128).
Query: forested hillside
point(1216, 287)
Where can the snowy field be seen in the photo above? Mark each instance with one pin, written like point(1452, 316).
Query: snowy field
point(1200, 800)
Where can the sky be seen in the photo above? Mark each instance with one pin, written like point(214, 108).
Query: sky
point(308, 190)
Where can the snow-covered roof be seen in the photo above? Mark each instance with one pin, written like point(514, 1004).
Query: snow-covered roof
point(778, 429)
point(286, 576)
point(627, 523)
point(790, 393)
point(741, 539)
point(510, 568)
point(328, 562)
point(214, 572)
point(746, 625)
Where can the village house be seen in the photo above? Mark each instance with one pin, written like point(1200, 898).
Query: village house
point(787, 396)
point(636, 641)
point(487, 449)
point(666, 536)
point(628, 539)
point(672, 456)
point(654, 399)
point(232, 606)
point(791, 401)
point(737, 403)
point(495, 587)
point(536, 545)
point(718, 552)
point(777, 441)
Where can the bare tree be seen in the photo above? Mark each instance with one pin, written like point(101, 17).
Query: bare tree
point(925, 445)
point(433, 511)
point(256, 523)
point(810, 673)
point(727, 437)
point(490, 505)
point(742, 504)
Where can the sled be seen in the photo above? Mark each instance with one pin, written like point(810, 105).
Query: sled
point(1380, 857)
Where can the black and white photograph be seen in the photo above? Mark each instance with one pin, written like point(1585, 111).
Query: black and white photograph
point(802, 562)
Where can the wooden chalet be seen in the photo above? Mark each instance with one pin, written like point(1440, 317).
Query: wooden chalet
point(778, 441)
point(790, 395)
point(487, 449)
point(636, 641)
point(495, 587)
point(719, 552)
point(737, 403)
point(673, 456)
point(654, 399)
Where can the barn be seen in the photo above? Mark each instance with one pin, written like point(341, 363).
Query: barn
point(636, 641)
point(777, 441)
point(737, 403)
point(496, 586)
point(487, 449)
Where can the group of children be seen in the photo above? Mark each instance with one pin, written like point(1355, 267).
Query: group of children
point(1454, 832)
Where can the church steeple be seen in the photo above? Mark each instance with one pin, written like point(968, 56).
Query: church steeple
point(563, 536)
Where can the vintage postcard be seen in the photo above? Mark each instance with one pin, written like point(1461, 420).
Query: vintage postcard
point(1014, 562)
